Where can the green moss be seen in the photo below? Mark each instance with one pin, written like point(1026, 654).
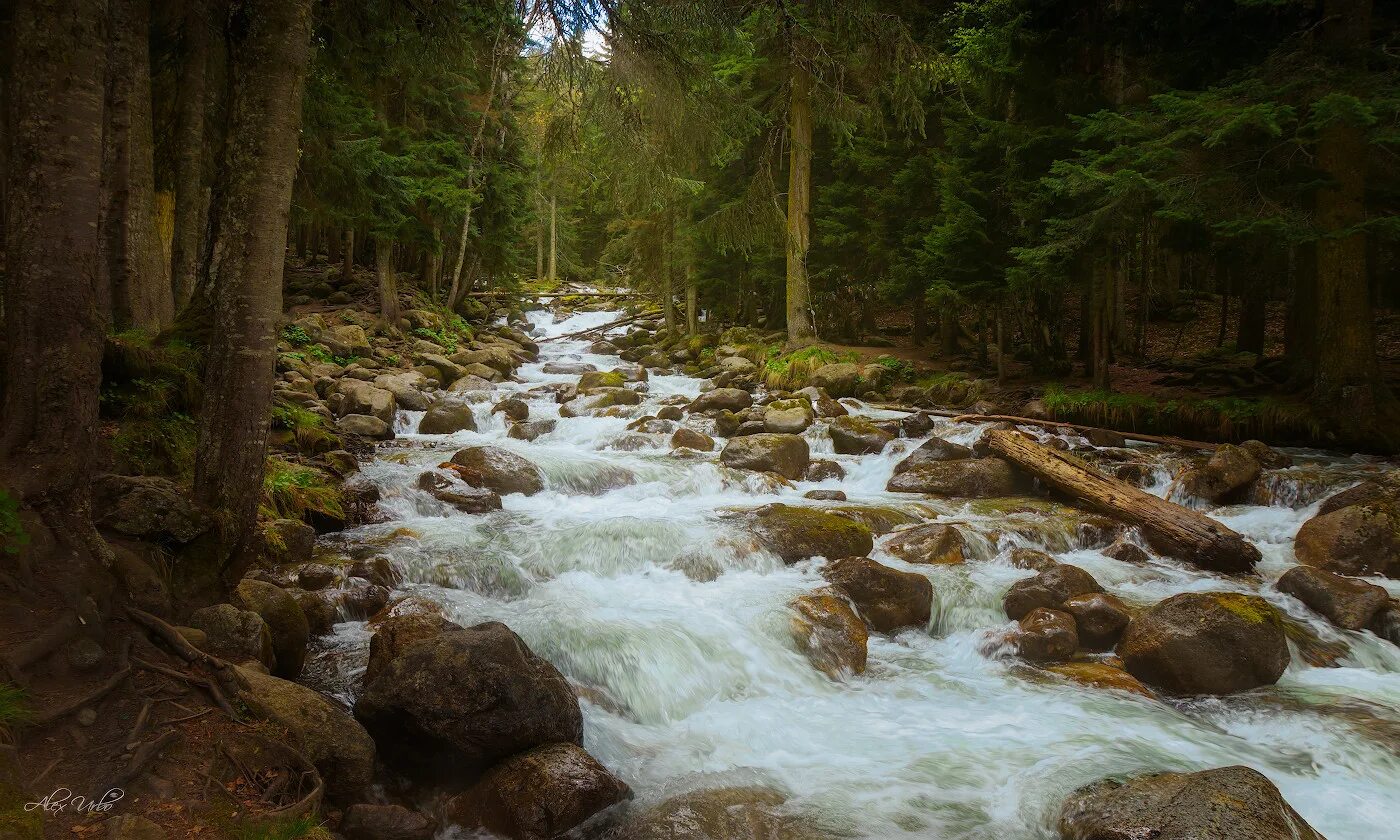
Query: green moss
point(902, 369)
point(791, 371)
point(291, 491)
point(300, 828)
point(12, 535)
point(159, 446)
point(1251, 608)
point(1219, 418)
point(307, 428)
point(295, 335)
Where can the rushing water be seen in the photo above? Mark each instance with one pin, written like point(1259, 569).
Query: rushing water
point(630, 574)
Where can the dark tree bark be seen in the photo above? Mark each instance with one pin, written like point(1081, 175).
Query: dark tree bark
point(135, 259)
point(1346, 377)
point(1300, 329)
point(191, 199)
point(1253, 323)
point(55, 295)
point(949, 332)
point(800, 328)
point(388, 282)
point(347, 265)
point(268, 54)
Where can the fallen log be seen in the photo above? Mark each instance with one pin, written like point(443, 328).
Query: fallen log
point(1173, 530)
point(1164, 440)
point(605, 327)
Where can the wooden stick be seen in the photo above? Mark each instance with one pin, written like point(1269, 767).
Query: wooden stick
point(1171, 529)
point(144, 754)
point(225, 672)
point(605, 327)
point(1055, 424)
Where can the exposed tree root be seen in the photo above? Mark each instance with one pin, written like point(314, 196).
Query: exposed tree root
point(27, 653)
point(123, 671)
point(206, 683)
point(144, 754)
point(222, 670)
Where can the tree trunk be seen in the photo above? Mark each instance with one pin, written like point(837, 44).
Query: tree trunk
point(948, 331)
point(268, 53)
point(692, 313)
point(432, 264)
point(388, 283)
point(1003, 343)
point(1174, 530)
point(668, 264)
point(553, 239)
point(539, 251)
point(1300, 330)
point(55, 297)
point(1346, 377)
point(1253, 322)
point(799, 308)
point(347, 265)
point(191, 211)
point(919, 332)
point(135, 262)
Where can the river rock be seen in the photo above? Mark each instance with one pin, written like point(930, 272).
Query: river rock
point(720, 399)
point(821, 470)
point(285, 621)
point(137, 575)
point(822, 402)
point(1099, 618)
point(1227, 474)
point(235, 634)
point(788, 417)
point(567, 368)
point(854, 435)
point(737, 813)
point(684, 438)
point(446, 418)
point(1229, 802)
point(514, 409)
point(785, 455)
point(825, 495)
point(1044, 635)
point(364, 398)
point(539, 794)
point(593, 380)
point(1346, 602)
point(970, 479)
point(347, 340)
point(1384, 488)
point(1100, 675)
point(471, 384)
point(531, 429)
point(463, 497)
point(932, 451)
point(888, 599)
point(331, 739)
point(1048, 589)
point(364, 821)
point(289, 541)
point(497, 358)
point(499, 469)
point(829, 633)
point(1268, 457)
point(1033, 559)
point(320, 611)
point(365, 426)
point(1206, 643)
point(838, 380)
point(797, 533)
point(464, 699)
point(935, 543)
point(395, 633)
point(147, 507)
point(1359, 539)
point(406, 388)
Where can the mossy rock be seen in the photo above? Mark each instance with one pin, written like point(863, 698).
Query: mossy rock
point(797, 533)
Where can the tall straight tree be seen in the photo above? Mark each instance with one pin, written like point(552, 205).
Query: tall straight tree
point(55, 297)
point(269, 48)
point(190, 205)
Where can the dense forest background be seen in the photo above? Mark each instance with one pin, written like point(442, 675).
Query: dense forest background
point(1044, 191)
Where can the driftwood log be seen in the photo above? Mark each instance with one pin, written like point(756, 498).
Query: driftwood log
point(1173, 530)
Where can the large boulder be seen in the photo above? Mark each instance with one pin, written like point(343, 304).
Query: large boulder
point(499, 469)
point(595, 379)
point(234, 634)
point(788, 417)
point(464, 699)
point(721, 399)
point(1384, 488)
point(406, 388)
point(823, 403)
point(786, 455)
point(1045, 636)
point(887, 599)
point(855, 435)
point(289, 541)
point(539, 794)
point(446, 418)
point(148, 508)
point(1099, 618)
point(829, 633)
point(320, 729)
point(933, 450)
point(347, 340)
point(496, 357)
point(935, 543)
point(684, 438)
point(1206, 643)
point(364, 821)
point(396, 632)
point(1223, 478)
point(1049, 589)
point(360, 397)
point(838, 380)
point(463, 497)
point(797, 533)
point(737, 813)
point(365, 426)
point(285, 621)
point(1361, 539)
point(969, 479)
point(1346, 602)
point(1237, 803)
